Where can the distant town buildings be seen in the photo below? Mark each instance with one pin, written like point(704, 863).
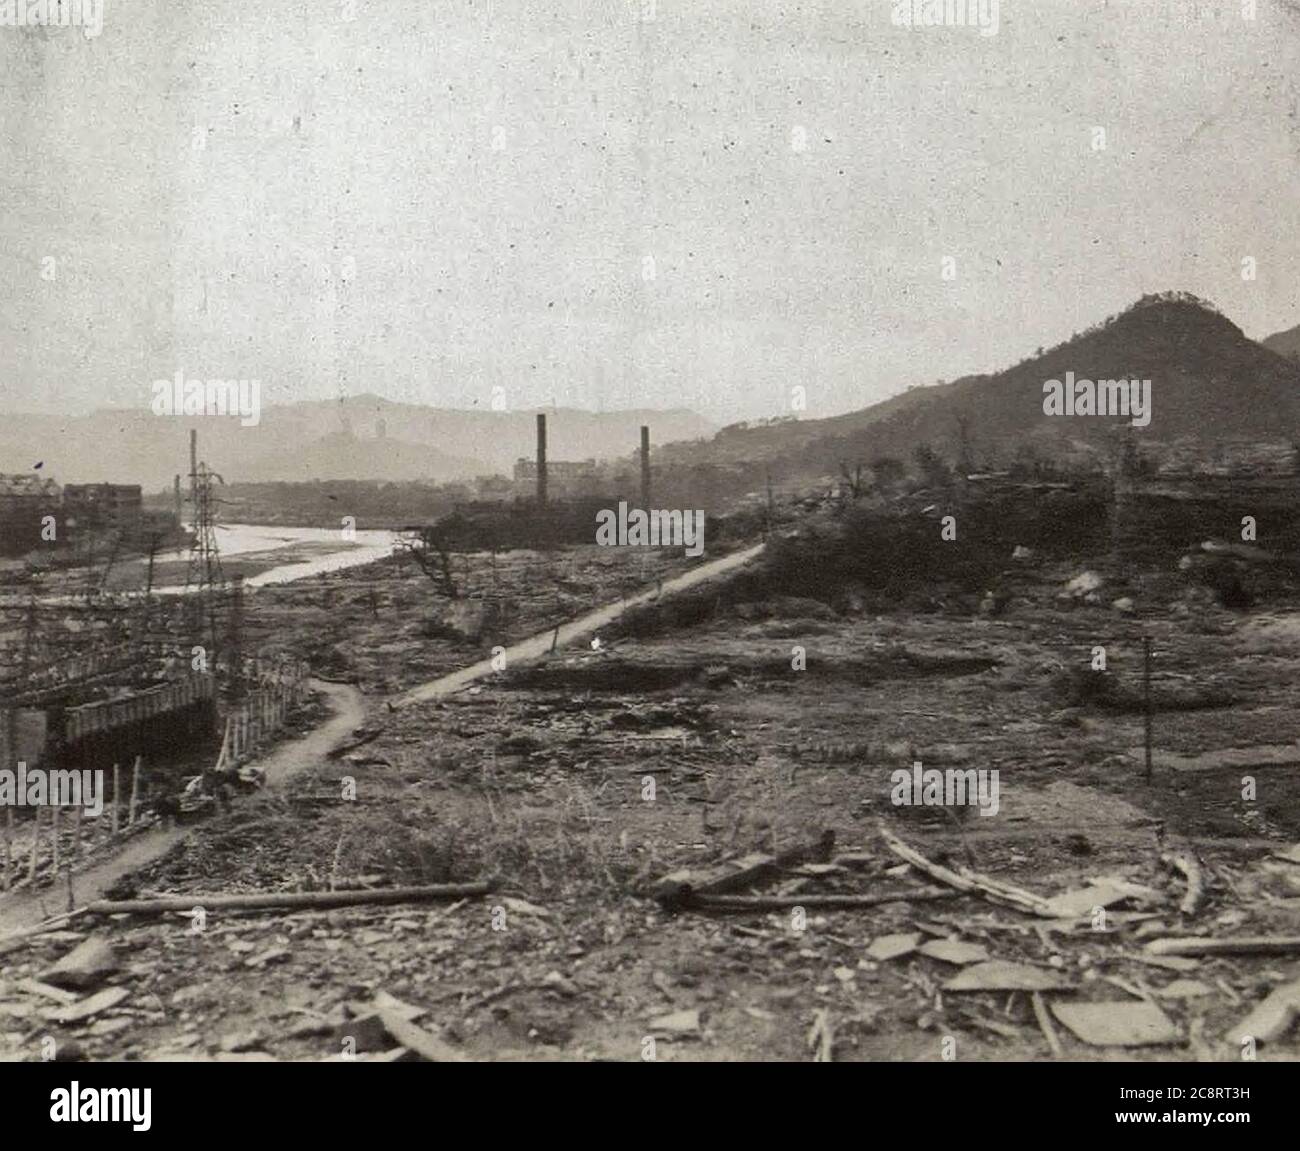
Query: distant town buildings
point(563, 477)
point(495, 487)
point(104, 507)
point(25, 501)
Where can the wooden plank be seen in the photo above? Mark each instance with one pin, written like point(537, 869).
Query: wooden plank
point(1242, 945)
point(679, 887)
point(93, 1005)
point(416, 1039)
point(286, 900)
point(966, 880)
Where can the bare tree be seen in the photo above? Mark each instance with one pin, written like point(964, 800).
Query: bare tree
point(429, 548)
point(853, 479)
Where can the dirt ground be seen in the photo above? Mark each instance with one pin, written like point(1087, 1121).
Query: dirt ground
point(575, 783)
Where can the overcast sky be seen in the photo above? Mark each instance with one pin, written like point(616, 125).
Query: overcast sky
point(437, 198)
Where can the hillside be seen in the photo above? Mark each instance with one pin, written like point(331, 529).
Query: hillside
point(1209, 384)
point(1285, 343)
point(361, 437)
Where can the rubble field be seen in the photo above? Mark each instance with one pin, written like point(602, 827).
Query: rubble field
point(718, 747)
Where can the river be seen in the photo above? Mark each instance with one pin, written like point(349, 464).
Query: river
point(249, 540)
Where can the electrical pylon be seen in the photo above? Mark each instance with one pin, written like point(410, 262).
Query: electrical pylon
point(204, 578)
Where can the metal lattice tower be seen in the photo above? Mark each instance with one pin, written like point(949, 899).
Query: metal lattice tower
point(204, 571)
point(204, 578)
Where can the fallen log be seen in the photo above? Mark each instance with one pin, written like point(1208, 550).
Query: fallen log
point(696, 902)
point(1188, 866)
point(1243, 945)
point(286, 901)
point(966, 880)
point(677, 888)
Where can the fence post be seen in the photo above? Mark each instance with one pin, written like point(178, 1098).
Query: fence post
point(36, 845)
point(117, 797)
point(135, 792)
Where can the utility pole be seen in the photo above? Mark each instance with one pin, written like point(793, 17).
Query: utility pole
point(1146, 700)
point(236, 692)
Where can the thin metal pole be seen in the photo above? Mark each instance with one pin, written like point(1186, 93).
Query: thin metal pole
point(1146, 699)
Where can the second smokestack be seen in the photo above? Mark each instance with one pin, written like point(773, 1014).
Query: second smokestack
point(645, 466)
point(541, 459)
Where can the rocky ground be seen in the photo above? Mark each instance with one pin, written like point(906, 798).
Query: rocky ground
point(577, 783)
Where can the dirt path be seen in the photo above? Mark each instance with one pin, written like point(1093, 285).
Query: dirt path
point(281, 764)
point(349, 711)
point(538, 645)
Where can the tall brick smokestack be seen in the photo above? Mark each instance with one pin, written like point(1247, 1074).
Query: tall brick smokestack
point(645, 466)
point(176, 497)
point(541, 459)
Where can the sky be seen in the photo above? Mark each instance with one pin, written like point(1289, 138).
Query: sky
point(626, 203)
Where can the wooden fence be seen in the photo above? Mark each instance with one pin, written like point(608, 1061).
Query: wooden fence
point(262, 712)
point(58, 836)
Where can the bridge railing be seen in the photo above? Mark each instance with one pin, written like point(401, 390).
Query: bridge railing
point(104, 715)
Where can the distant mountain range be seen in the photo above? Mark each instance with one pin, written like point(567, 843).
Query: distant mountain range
point(1209, 384)
point(356, 438)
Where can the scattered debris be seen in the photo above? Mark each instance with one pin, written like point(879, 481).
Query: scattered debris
point(416, 1039)
point(685, 1022)
point(967, 880)
point(955, 951)
point(1168, 962)
point(678, 888)
point(1045, 1024)
point(1117, 1023)
point(821, 1037)
point(1191, 869)
point(893, 946)
point(1185, 989)
point(1272, 1017)
point(844, 901)
point(523, 907)
point(58, 994)
point(93, 1005)
point(1103, 892)
point(1244, 945)
point(271, 955)
point(285, 901)
point(86, 965)
point(1003, 975)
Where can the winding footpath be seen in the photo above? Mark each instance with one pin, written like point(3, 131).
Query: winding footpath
point(23, 912)
point(282, 763)
point(536, 646)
